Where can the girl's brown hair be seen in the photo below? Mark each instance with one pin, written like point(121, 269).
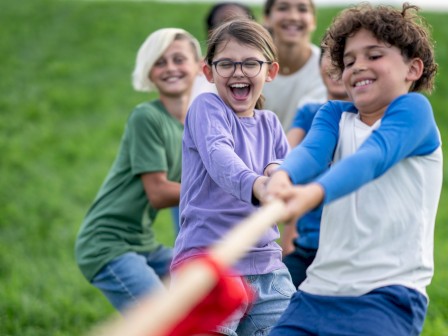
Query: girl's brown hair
point(246, 32)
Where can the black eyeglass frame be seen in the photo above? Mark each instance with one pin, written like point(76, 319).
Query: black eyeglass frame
point(241, 66)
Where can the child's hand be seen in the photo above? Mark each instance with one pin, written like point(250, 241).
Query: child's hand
point(259, 188)
point(270, 169)
point(277, 182)
point(299, 199)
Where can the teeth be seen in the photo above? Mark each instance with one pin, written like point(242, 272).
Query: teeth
point(364, 82)
point(239, 86)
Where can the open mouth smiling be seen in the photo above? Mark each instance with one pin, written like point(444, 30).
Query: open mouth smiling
point(240, 90)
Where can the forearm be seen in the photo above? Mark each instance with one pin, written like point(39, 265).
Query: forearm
point(161, 192)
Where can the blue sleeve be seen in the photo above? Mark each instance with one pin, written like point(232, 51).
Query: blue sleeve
point(305, 115)
point(314, 154)
point(407, 129)
point(210, 127)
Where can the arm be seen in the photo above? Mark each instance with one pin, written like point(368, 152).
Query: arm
point(210, 127)
point(288, 235)
point(299, 199)
point(302, 123)
point(407, 129)
point(161, 192)
point(313, 156)
point(295, 136)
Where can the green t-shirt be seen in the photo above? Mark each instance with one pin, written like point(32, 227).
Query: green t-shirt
point(121, 218)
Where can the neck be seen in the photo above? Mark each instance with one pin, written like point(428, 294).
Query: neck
point(176, 106)
point(293, 58)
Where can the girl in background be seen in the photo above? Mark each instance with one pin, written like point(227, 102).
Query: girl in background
point(291, 23)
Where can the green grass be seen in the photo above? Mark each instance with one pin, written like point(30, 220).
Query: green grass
point(65, 96)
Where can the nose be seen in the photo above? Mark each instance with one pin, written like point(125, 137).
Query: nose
point(293, 13)
point(358, 67)
point(170, 65)
point(238, 72)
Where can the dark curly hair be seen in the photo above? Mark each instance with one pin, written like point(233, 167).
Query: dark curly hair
point(403, 29)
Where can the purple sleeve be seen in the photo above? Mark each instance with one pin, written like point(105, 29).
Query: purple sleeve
point(210, 125)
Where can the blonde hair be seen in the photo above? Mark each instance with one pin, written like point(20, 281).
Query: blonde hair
point(151, 50)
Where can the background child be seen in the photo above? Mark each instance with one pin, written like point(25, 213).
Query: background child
point(300, 239)
point(291, 23)
point(223, 11)
point(116, 249)
point(375, 256)
point(228, 141)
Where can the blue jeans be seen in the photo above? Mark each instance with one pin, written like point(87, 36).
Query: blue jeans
point(391, 311)
point(175, 218)
point(132, 275)
point(273, 292)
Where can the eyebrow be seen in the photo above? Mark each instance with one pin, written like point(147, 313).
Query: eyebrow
point(368, 48)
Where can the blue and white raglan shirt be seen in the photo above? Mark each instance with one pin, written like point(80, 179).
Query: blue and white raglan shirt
point(381, 196)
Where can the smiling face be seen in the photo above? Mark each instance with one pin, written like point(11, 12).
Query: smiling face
point(175, 71)
point(334, 85)
point(375, 74)
point(239, 91)
point(291, 21)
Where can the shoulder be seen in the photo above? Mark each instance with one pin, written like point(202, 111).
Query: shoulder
point(148, 110)
point(206, 99)
point(339, 106)
point(411, 98)
point(270, 117)
point(411, 106)
point(315, 51)
point(310, 108)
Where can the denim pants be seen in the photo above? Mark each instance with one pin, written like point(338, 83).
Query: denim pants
point(273, 292)
point(132, 275)
point(392, 311)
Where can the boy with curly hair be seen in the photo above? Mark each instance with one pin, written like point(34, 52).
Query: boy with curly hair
point(381, 193)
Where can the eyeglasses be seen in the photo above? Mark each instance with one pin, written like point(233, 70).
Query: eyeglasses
point(250, 68)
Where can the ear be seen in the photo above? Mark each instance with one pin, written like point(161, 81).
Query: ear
point(272, 72)
point(208, 72)
point(415, 69)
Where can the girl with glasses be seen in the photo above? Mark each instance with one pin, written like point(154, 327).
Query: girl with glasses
point(230, 143)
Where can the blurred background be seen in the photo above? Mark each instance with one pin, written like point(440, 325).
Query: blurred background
point(65, 94)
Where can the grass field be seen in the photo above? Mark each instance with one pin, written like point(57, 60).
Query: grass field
point(65, 96)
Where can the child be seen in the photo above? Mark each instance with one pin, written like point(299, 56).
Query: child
point(223, 11)
point(380, 196)
point(291, 23)
point(228, 141)
point(116, 249)
point(299, 239)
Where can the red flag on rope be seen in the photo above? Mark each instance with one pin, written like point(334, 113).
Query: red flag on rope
point(229, 293)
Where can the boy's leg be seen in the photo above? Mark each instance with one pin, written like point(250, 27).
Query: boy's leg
point(160, 260)
point(125, 279)
point(175, 216)
point(392, 310)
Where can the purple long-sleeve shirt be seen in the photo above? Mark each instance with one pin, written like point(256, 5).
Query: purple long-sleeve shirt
point(222, 155)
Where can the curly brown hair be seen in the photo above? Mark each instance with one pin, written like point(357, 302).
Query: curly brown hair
point(403, 29)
